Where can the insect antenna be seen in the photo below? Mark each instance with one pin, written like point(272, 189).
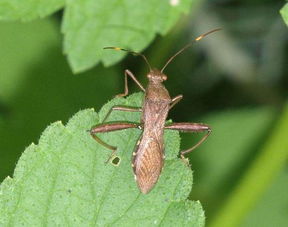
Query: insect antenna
point(188, 45)
point(131, 52)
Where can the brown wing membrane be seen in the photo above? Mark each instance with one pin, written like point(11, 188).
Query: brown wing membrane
point(147, 165)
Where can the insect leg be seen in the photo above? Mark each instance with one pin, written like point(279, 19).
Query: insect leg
point(175, 100)
point(122, 108)
point(190, 127)
point(129, 73)
point(109, 127)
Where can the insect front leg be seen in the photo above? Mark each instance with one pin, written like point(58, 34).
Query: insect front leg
point(175, 100)
point(122, 108)
point(190, 127)
point(110, 127)
point(129, 73)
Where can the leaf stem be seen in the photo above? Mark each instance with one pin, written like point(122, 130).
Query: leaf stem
point(259, 176)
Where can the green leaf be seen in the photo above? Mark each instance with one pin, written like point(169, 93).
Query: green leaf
point(284, 13)
point(64, 181)
point(270, 161)
point(272, 206)
point(89, 26)
point(28, 9)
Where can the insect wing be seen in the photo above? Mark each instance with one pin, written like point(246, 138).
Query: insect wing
point(148, 163)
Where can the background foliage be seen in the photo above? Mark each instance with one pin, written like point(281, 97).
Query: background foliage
point(235, 80)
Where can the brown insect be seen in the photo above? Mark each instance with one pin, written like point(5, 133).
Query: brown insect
point(148, 156)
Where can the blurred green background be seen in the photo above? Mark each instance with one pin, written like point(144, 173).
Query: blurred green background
point(234, 80)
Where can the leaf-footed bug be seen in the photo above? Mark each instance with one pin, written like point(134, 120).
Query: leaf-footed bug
point(148, 156)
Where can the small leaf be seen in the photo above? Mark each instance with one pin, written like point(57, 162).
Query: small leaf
point(28, 10)
point(89, 26)
point(64, 181)
point(284, 13)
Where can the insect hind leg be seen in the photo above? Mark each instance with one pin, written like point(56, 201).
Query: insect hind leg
point(190, 127)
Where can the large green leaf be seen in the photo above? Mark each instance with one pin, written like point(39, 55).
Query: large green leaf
point(64, 181)
point(28, 9)
point(89, 26)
